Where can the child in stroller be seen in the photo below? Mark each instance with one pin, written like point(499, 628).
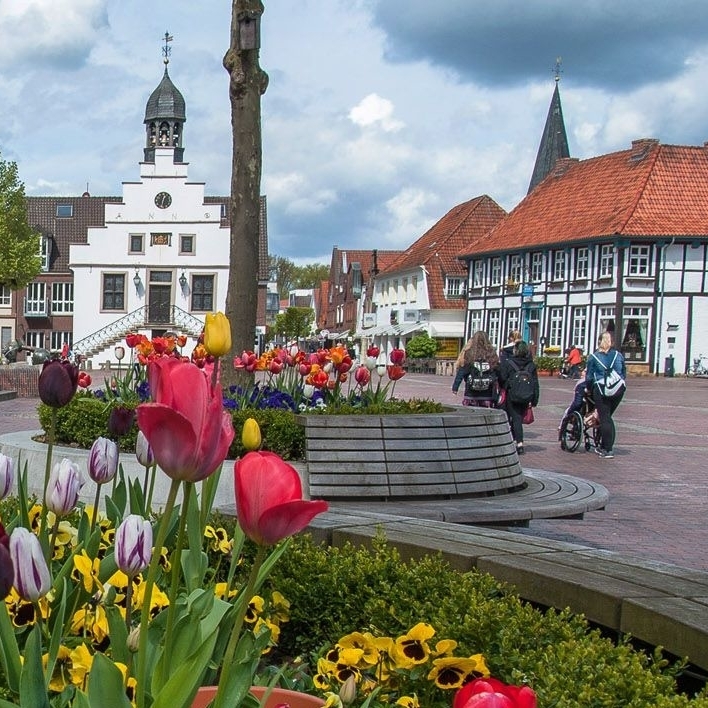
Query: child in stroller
point(579, 422)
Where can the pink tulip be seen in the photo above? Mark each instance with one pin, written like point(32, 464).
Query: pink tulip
point(269, 503)
point(275, 366)
point(362, 376)
point(492, 693)
point(186, 425)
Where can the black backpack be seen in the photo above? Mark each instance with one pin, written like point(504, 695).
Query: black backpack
point(520, 386)
point(481, 378)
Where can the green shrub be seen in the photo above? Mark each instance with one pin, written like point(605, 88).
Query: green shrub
point(280, 432)
point(334, 591)
point(421, 346)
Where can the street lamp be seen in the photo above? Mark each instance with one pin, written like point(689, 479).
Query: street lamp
point(137, 282)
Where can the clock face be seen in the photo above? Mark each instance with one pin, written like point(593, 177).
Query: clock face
point(163, 200)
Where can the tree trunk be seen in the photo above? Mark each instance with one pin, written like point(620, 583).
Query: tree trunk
point(247, 84)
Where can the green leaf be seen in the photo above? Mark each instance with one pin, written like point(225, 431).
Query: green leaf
point(33, 690)
point(105, 684)
point(137, 498)
point(9, 651)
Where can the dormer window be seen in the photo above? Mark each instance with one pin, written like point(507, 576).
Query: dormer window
point(45, 251)
point(65, 210)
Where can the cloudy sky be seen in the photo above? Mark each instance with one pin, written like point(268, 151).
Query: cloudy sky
point(380, 115)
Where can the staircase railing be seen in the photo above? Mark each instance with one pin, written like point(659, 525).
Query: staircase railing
point(137, 319)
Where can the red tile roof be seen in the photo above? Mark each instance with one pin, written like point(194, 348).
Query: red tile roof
point(650, 190)
point(437, 249)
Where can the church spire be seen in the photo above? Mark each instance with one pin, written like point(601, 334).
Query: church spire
point(554, 141)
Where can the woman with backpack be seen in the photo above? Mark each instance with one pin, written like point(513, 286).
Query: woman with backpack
point(478, 367)
point(519, 378)
point(606, 372)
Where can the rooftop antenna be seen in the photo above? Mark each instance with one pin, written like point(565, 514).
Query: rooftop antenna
point(557, 71)
point(167, 50)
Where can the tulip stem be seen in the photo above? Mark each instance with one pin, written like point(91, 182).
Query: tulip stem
point(242, 600)
point(95, 508)
point(140, 677)
point(47, 470)
point(55, 531)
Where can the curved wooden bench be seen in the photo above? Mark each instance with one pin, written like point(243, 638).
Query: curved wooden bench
point(460, 453)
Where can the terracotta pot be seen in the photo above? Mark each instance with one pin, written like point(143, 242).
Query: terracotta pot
point(277, 697)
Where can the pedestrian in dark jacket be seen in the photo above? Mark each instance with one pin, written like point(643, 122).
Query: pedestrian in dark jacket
point(519, 361)
point(507, 351)
point(478, 367)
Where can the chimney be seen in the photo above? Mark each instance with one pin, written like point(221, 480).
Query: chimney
point(563, 164)
point(641, 148)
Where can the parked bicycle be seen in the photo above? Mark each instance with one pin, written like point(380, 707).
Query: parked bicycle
point(699, 367)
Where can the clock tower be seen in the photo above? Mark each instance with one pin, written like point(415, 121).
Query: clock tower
point(165, 115)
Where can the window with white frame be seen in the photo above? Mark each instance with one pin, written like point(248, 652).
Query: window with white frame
point(513, 321)
point(57, 340)
point(5, 296)
point(136, 243)
point(516, 266)
point(555, 327)
point(635, 321)
point(454, 287)
point(34, 339)
point(639, 263)
point(62, 298)
point(605, 319)
point(478, 274)
point(558, 267)
point(35, 300)
point(582, 263)
point(579, 326)
point(413, 294)
point(493, 327)
point(496, 276)
point(607, 260)
point(65, 210)
point(476, 321)
point(45, 250)
point(113, 295)
point(536, 267)
point(202, 293)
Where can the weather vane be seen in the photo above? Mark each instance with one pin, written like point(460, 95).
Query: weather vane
point(167, 50)
point(557, 69)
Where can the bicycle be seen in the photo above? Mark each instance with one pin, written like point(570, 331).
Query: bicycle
point(698, 368)
point(580, 426)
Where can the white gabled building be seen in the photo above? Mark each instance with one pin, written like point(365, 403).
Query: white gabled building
point(160, 261)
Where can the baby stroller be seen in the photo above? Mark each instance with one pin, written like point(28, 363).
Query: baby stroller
point(580, 426)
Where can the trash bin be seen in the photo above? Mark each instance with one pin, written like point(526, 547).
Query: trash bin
point(669, 366)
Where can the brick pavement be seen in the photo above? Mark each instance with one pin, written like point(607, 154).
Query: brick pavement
point(657, 507)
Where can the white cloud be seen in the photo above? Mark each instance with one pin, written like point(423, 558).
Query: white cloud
point(374, 110)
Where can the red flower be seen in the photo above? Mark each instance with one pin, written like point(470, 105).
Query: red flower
point(319, 379)
point(84, 379)
point(132, 340)
point(372, 352)
point(269, 503)
point(305, 368)
point(186, 426)
point(275, 366)
point(345, 365)
point(57, 382)
point(397, 356)
point(395, 372)
point(492, 693)
point(362, 376)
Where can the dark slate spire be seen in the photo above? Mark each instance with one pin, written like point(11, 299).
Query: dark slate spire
point(554, 142)
point(165, 114)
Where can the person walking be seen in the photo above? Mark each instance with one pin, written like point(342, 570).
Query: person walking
point(507, 351)
point(519, 378)
point(478, 367)
point(606, 373)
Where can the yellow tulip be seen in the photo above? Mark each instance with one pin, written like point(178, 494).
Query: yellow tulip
point(251, 434)
point(217, 334)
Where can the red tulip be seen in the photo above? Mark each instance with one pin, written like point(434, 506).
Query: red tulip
point(492, 693)
point(84, 379)
point(186, 426)
point(319, 379)
point(345, 365)
point(57, 382)
point(395, 372)
point(133, 339)
point(362, 376)
point(269, 503)
point(305, 368)
point(397, 356)
point(275, 366)
point(372, 352)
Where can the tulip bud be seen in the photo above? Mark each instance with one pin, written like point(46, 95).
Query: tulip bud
point(7, 475)
point(133, 641)
point(133, 545)
point(31, 574)
point(217, 334)
point(143, 451)
point(62, 492)
point(347, 692)
point(251, 434)
point(103, 460)
point(84, 379)
point(6, 570)
point(362, 376)
point(120, 421)
point(57, 382)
